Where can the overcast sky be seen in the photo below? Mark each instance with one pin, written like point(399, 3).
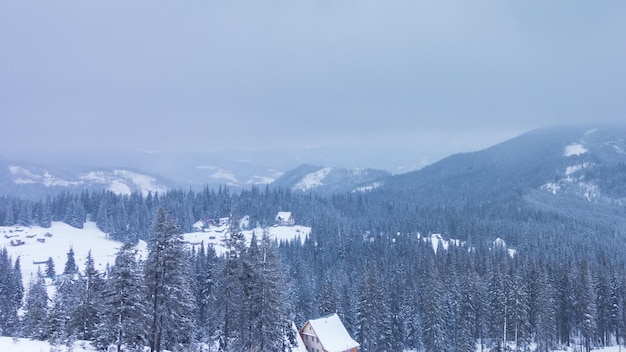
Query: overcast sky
point(416, 80)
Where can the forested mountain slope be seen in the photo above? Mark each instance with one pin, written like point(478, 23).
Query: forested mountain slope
point(328, 180)
point(576, 172)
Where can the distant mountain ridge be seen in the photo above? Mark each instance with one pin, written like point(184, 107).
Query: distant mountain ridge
point(542, 167)
point(578, 172)
point(33, 181)
point(328, 180)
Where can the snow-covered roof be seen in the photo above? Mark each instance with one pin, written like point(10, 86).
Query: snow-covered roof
point(283, 215)
point(332, 334)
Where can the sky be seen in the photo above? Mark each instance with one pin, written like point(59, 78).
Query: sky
point(390, 84)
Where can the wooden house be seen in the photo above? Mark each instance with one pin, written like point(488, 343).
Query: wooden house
point(327, 334)
point(16, 242)
point(284, 218)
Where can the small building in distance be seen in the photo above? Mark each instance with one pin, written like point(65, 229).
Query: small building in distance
point(327, 334)
point(284, 218)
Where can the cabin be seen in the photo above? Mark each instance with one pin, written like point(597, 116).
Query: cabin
point(284, 218)
point(16, 242)
point(327, 334)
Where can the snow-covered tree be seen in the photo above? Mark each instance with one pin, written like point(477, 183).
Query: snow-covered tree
point(124, 312)
point(36, 308)
point(169, 290)
point(86, 316)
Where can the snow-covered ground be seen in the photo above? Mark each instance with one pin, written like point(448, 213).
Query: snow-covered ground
point(8, 344)
point(39, 243)
point(215, 235)
point(37, 247)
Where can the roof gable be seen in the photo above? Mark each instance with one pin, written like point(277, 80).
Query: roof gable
point(332, 334)
point(283, 215)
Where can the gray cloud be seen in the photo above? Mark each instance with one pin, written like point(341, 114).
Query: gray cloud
point(355, 75)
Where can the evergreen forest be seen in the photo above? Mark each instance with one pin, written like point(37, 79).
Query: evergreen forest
point(366, 259)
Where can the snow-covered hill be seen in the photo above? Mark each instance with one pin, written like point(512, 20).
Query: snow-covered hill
point(33, 181)
point(320, 179)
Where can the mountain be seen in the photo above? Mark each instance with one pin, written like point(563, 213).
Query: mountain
point(578, 172)
point(32, 181)
point(328, 180)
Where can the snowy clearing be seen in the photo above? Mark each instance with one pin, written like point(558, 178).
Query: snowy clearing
point(574, 149)
point(40, 243)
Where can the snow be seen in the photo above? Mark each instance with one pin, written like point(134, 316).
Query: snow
point(25, 345)
point(575, 168)
point(332, 334)
point(220, 174)
point(367, 188)
point(24, 176)
point(435, 239)
point(312, 180)
point(119, 187)
point(551, 187)
point(145, 183)
point(300, 347)
point(574, 149)
point(260, 180)
point(215, 235)
point(56, 247)
point(103, 250)
point(118, 181)
point(265, 180)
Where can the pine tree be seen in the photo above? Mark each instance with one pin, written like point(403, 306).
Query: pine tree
point(270, 321)
point(465, 331)
point(546, 324)
point(36, 308)
point(60, 327)
point(167, 275)
point(70, 264)
point(231, 291)
point(519, 319)
point(86, 316)
point(434, 334)
point(586, 306)
point(124, 311)
point(10, 296)
point(50, 272)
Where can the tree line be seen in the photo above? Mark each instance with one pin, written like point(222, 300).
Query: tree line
point(364, 260)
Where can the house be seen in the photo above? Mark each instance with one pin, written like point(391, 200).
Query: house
point(284, 218)
point(327, 334)
point(16, 242)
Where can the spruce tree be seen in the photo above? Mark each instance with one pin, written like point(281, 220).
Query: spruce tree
point(169, 290)
point(50, 272)
point(270, 321)
point(36, 308)
point(70, 264)
point(124, 312)
point(86, 317)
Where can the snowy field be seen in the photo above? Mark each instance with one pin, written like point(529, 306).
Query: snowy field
point(34, 244)
point(8, 344)
point(215, 235)
point(39, 244)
